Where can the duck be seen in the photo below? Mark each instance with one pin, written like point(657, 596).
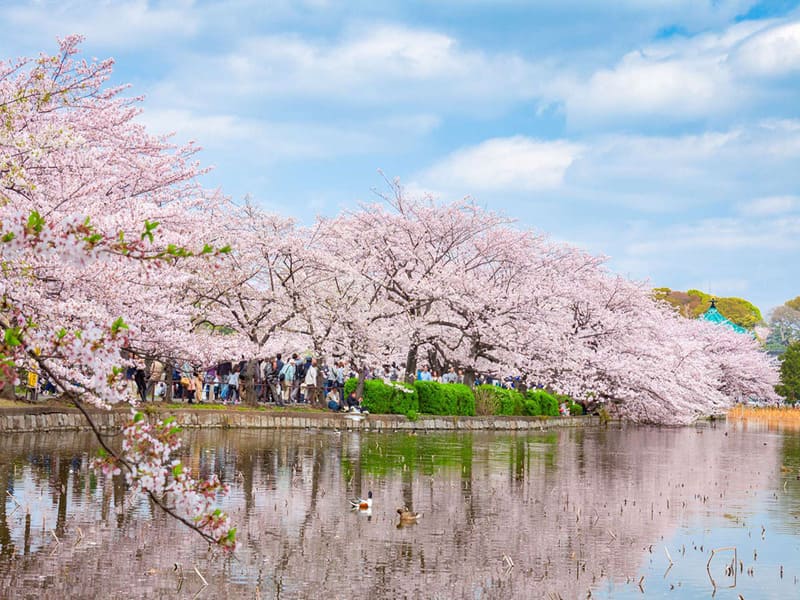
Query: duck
point(362, 503)
point(407, 517)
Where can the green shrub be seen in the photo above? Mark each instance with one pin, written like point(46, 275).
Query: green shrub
point(502, 401)
point(382, 398)
point(444, 398)
point(530, 407)
point(486, 401)
point(431, 398)
point(461, 397)
point(575, 409)
point(548, 404)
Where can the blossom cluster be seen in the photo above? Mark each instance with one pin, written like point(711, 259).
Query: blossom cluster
point(95, 216)
point(149, 465)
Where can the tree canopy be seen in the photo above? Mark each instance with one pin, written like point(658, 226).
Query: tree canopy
point(693, 303)
point(784, 323)
point(789, 387)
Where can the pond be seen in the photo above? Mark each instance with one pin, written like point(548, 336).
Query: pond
point(618, 512)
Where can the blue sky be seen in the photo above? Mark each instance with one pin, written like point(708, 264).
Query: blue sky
point(663, 134)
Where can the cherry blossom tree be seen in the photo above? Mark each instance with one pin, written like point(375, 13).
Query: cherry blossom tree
point(465, 287)
point(97, 220)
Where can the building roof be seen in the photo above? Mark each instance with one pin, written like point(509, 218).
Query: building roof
point(714, 316)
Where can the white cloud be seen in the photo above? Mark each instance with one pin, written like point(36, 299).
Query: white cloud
point(518, 163)
point(371, 65)
point(769, 206)
point(778, 234)
point(125, 24)
point(710, 76)
point(268, 141)
point(640, 86)
point(647, 173)
point(773, 52)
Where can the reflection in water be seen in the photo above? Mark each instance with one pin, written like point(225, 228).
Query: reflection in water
point(504, 516)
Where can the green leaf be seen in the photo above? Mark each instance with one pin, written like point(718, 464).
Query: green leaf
point(169, 420)
point(13, 336)
point(207, 249)
point(174, 250)
point(118, 325)
point(177, 470)
point(138, 417)
point(149, 228)
point(224, 250)
point(35, 222)
point(102, 453)
point(8, 236)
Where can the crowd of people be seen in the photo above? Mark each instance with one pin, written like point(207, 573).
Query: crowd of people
point(295, 380)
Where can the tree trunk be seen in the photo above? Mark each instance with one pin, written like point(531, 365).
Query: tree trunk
point(469, 376)
point(249, 383)
point(362, 370)
point(168, 368)
point(7, 391)
point(411, 364)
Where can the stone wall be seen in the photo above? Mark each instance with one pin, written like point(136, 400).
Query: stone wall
point(20, 420)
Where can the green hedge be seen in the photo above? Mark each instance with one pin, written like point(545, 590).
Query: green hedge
point(445, 398)
point(381, 398)
point(430, 397)
point(575, 409)
point(493, 400)
point(547, 403)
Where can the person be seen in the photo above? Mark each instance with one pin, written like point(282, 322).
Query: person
point(311, 381)
point(140, 378)
point(340, 381)
point(353, 403)
point(425, 375)
point(287, 377)
point(563, 409)
point(188, 382)
point(450, 376)
point(333, 400)
point(210, 386)
point(264, 367)
point(156, 375)
point(460, 377)
point(299, 375)
point(198, 386)
point(273, 383)
point(233, 386)
point(394, 372)
point(329, 377)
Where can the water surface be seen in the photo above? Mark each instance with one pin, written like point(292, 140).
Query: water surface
point(528, 515)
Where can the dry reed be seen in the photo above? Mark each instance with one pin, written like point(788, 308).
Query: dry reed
point(785, 417)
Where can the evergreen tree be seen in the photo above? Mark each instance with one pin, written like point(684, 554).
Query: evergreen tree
point(789, 387)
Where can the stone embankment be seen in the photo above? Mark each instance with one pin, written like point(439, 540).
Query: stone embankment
point(65, 419)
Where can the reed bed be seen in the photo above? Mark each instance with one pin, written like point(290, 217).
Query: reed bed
point(784, 417)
